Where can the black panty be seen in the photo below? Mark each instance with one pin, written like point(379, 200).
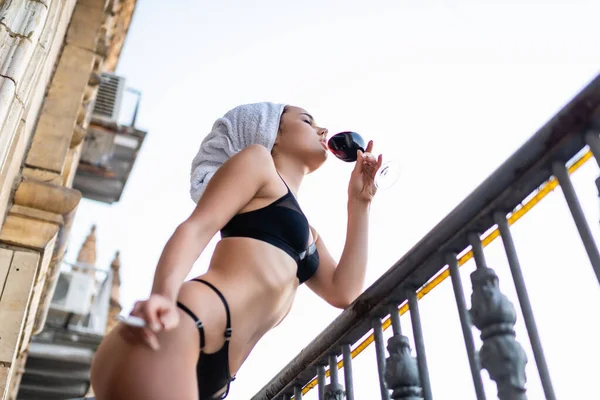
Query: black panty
point(212, 369)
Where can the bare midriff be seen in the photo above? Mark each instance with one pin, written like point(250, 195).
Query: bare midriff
point(259, 283)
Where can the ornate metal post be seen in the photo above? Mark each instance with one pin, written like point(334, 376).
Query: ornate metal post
point(402, 371)
point(401, 368)
point(494, 315)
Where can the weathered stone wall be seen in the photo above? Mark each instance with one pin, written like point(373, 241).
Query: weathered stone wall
point(31, 38)
point(51, 55)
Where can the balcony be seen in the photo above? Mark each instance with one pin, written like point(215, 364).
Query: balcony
point(59, 360)
point(110, 149)
point(107, 158)
point(542, 164)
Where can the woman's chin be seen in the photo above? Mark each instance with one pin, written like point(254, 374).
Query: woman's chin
point(318, 162)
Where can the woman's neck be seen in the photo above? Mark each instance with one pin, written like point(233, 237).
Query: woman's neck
point(293, 173)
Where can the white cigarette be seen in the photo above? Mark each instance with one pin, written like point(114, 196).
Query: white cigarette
point(132, 320)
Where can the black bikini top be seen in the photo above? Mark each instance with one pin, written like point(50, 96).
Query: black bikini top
point(282, 224)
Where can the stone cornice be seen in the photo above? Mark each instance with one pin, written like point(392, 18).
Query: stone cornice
point(47, 197)
point(121, 23)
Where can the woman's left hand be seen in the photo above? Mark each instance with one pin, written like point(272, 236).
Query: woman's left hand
point(362, 181)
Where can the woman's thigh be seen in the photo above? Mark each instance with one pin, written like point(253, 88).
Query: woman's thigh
point(131, 371)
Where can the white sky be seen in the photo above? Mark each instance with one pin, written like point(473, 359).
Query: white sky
point(449, 89)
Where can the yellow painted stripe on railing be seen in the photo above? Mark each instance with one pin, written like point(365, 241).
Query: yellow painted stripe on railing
point(542, 192)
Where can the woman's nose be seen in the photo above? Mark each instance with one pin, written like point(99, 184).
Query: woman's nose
point(323, 132)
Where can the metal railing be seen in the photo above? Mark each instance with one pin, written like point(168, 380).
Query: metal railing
point(567, 141)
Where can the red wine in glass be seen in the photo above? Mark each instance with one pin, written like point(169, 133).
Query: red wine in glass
point(344, 145)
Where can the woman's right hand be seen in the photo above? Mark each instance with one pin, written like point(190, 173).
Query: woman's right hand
point(159, 313)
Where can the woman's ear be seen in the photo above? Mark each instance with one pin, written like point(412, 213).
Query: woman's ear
point(279, 132)
point(273, 149)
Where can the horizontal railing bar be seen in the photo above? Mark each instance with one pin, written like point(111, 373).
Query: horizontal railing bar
point(530, 166)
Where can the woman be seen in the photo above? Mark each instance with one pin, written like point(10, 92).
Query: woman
point(245, 179)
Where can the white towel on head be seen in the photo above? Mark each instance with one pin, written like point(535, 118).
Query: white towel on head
point(243, 126)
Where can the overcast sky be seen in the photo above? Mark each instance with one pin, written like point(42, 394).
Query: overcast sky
point(448, 88)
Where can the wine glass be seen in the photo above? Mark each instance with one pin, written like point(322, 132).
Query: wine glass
point(344, 145)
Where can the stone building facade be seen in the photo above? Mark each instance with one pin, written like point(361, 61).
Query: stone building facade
point(52, 54)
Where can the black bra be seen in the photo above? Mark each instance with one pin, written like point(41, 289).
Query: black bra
point(282, 224)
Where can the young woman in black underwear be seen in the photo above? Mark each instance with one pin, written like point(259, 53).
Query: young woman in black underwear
point(245, 180)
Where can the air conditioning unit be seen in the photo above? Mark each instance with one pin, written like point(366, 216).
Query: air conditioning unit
point(108, 99)
point(73, 293)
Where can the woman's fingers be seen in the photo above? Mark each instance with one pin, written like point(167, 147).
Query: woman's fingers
point(150, 339)
point(134, 335)
point(151, 309)
point(370, 163)
point(358, 164)
point(159, 313)
point(169, 318)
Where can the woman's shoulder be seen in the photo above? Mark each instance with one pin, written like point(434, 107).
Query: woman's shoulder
point(252, 167)
point(256, 156)
point(251, 159)
point(255, 150)
point(244, 177)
